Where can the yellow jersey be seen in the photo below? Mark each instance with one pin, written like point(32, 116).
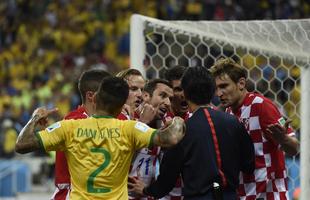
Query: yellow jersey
point(99, 151)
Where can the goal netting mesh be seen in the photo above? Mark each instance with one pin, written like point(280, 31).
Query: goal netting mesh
point(276, 54)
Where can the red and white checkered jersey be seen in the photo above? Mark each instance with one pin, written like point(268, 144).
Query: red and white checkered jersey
point(62, 175)
point(269, 180)
point(145, 166)
point(123, 116)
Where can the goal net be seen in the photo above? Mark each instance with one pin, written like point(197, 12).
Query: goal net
point(276, 53)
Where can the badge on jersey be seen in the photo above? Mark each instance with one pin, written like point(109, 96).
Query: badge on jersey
point(53, 127)
point(281, 121)
point(142, 127)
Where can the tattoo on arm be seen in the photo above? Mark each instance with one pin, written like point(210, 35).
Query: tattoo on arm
point(172, 134)
point(26, 140)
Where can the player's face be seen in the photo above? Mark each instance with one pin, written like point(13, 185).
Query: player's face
point(228, 91)
point(136, 84)
point(160, 99)
point(178, 103)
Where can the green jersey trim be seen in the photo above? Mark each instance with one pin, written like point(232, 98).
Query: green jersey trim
point(39, 139)
point(151, 144)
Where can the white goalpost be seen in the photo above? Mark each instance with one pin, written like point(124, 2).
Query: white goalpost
point(276, 53)
point(305, 134)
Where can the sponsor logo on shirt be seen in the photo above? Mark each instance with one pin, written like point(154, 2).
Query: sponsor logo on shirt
point(142, 127)
point(53, 127)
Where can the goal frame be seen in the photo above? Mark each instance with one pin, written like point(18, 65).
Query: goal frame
point(137, 56)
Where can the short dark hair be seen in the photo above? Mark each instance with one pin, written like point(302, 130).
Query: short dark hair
point(128, 72)
point(112, 94)
point(90, 81)
point(151, 85)
point(230, 67)
point(175, 73)
point(198, 85)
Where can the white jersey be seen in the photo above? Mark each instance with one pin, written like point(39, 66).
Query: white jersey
point(145, 165)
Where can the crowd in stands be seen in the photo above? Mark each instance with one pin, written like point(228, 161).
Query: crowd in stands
point(44, 45)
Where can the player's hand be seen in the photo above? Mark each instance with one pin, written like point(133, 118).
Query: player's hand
point(172, 134)
point(40, 115)
point(278, 132)
point(147, 113)
point(179, 127)
point(167, 123)
point(135, 185)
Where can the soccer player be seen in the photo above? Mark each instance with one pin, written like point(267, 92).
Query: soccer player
point(179, 108)
point(88, 84)
point(156, 93)
point(213, 152)
point(133, 107)
point(143, 159)
point(98, 149)
point(179, 104)
point(268, 129)
point(136, 82)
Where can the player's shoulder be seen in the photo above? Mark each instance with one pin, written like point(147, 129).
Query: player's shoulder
point(257, 98)
point(260, 101)
point(223, 116)
point(128, 122)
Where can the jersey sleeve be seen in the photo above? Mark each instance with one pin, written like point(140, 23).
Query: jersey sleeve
point(140, 133)
point(270, 114)
point(54, 137)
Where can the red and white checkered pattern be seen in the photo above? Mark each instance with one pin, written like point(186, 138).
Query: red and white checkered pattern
point(269, 180)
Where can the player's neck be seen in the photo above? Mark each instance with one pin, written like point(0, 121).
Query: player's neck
point(240, 101)
point(89, 108)
point(102, 113)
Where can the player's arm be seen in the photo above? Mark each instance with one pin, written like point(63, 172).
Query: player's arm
point(167, 136)
point(26, 140)
point(171, 134)
point(276, 128)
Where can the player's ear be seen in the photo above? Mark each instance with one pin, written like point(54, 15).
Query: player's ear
point(241, 83)
point(90, 95)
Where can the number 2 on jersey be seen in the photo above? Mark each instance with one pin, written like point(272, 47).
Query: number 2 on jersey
point(92, 176)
